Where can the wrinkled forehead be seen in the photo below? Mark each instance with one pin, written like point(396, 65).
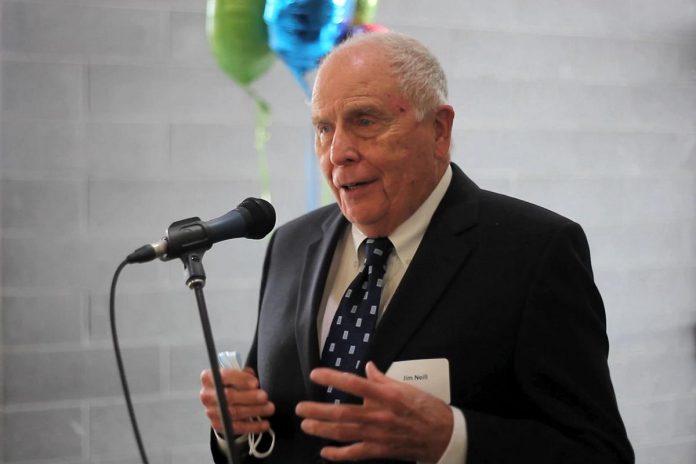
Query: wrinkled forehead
point(353, 69)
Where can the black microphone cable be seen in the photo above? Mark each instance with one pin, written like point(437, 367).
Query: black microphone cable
point(119, 361)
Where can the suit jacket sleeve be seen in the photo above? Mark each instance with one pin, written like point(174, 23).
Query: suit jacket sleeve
point(219, 456)
point(559, 365)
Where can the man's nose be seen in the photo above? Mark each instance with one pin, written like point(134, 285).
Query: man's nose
point(343, 147)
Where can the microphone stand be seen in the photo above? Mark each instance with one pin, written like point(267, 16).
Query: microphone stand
point(195, 280)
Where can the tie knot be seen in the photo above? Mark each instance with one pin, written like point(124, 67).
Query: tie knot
point(377, 251)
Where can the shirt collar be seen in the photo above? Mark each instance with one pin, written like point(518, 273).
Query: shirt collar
point(409, 234)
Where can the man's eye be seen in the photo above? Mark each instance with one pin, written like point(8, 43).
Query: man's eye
point(323, 129)
point(363, 122)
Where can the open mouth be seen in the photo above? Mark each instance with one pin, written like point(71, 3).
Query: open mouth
point(354, 185)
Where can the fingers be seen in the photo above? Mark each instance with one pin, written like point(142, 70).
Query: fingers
point(245, 418)
point(242, 411)
point(241, 404)
point(351, 431)
point(371, 389)
point(375, 374)
point(245, 379)
point(342, 413)
point(240, 388)
point(365, 440)
point(348, 423)
point(245, 401)
point(396, 420)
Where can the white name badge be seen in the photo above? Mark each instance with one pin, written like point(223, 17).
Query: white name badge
point(430, 375)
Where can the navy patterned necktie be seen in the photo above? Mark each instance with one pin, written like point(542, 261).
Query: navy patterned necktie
point(356, 317)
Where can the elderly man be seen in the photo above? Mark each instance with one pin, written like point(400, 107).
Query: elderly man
point(473, 333)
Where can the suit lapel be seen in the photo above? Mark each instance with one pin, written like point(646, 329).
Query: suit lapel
point(320, 252)
point(442, 252)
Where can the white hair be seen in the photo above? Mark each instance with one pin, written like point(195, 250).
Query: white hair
point(418, 72)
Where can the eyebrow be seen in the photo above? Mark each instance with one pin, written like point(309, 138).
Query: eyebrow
point(364, 110)
point(318, 119)
point(352, 113)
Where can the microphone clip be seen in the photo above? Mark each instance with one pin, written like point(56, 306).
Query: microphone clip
point(186, 235)
point(193, 265)
point(189, 239)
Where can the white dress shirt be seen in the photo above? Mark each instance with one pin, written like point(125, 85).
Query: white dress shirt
point(346, 264)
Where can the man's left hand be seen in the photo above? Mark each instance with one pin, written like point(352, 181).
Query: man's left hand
point(395, 421)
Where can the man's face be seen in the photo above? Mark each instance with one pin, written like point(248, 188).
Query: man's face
point(379, 160)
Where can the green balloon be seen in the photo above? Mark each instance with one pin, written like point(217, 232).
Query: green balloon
point(365, 12)
point(238, 38)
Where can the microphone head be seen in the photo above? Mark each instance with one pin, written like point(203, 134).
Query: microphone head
point(261, 217)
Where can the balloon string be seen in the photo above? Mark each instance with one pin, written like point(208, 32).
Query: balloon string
point(312, 177)
point(262, 135)
point(299, 77)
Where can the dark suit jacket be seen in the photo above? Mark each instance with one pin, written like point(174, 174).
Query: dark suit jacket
point(501, 288)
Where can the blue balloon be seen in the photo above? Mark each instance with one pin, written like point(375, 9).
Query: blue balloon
point(301, 32)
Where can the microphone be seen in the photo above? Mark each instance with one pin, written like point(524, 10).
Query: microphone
point(253, 218)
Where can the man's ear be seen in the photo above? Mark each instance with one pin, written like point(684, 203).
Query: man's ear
point(443, 120)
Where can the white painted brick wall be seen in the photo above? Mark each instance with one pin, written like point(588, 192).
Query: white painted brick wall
point(3, 321)
point(116, 121)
